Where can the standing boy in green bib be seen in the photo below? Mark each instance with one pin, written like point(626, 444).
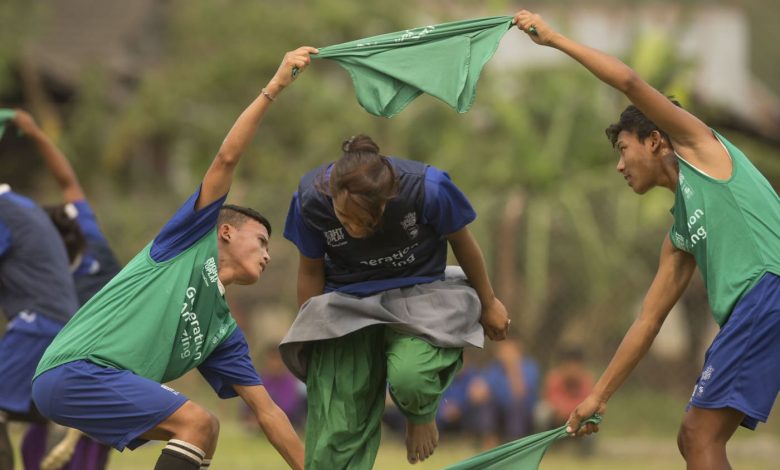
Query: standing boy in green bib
point(165, 314)
point(726, 222)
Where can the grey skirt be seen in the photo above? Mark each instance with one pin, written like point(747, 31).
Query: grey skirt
point(444, 313)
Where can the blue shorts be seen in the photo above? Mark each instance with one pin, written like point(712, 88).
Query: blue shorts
point(742, 366)
point(26, 338)
point(116, 407)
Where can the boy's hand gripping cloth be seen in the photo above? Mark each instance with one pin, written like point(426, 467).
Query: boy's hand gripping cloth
point(522, 454)
point(444, 60)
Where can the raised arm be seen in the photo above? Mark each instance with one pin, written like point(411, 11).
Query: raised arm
point(219, 176)
point(674, 272)
point(690, 137)
point(274, 423)
point(55, 160)
point(494, 319)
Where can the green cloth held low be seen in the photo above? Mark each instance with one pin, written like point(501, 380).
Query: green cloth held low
point(5, 116)
point(444, 60)
point(522, 454)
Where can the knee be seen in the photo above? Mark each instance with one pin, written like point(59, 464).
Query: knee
point(405, 380)
point(687, 437)
point(210, 427)
point(204, 424)
point(680, 444)
point(693, 439)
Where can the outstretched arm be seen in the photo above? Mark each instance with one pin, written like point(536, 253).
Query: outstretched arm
point(219, 176)
point(494, 319)
point(274, 423)
point(674, 272)
point(55, 160)
point(690, 137)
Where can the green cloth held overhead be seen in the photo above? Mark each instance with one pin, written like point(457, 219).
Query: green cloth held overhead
point(444, 60)
point(5, 116)
point(522, 454)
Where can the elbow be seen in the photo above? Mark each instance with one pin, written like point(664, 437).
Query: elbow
point(227, 158)
point(628, 81)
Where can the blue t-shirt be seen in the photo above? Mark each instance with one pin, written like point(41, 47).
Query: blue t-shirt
point(186, 227)
point(34, 270)
point(496, 378)
point(445, 209)
point(98, 262)
point(5, 238)
point(5, 231)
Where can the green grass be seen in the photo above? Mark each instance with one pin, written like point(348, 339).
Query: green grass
point(638, 433)
point(240, 450)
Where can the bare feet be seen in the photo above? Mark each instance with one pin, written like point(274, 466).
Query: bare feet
point(421, 440)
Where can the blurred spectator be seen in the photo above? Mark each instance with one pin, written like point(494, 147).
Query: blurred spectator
point(565, 387)
point(284, 388)
point(502, 398)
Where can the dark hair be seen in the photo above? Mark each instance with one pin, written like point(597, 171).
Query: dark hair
point(237, 215)
point(64, 218)
point(367, 176)
point(633, 120)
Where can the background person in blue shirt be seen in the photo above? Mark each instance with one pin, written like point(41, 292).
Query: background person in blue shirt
point(503, 395)
point(92, 265)
point(37, 296)
point(376, 307)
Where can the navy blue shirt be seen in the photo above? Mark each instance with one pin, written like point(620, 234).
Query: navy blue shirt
point(34, 269)
point(98, 263)
point(186, 227)
point(412, 248)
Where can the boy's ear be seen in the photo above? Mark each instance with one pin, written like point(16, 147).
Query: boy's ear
point(225, 232)
point(657, 140)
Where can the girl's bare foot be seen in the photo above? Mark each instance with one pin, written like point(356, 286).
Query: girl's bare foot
point(421, 440)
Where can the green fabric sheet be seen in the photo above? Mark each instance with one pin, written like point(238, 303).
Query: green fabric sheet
point(444, 60)
point(5, 116)
point(522, 454)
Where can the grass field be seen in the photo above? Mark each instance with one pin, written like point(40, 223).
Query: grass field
point(639, 433)
point(239, 450)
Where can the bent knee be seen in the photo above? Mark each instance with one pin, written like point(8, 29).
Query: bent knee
point(404, 380)
point(689, 436)
point(694, 437)
point(199, 421)
point(680, 443)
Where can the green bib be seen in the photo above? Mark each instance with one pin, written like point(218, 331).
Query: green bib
point(732, 228)
point(443, 60)
point(158, 320)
